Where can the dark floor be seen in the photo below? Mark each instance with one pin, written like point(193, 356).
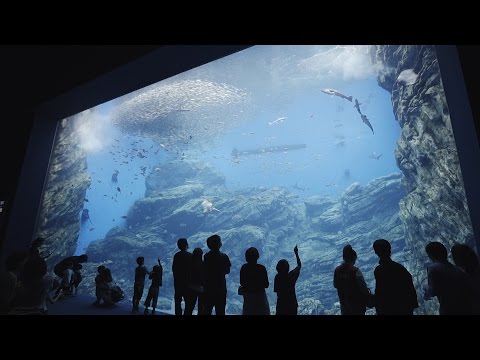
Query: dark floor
point(82, 305)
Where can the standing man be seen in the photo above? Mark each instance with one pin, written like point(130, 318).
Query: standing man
point(216, 265)
point(182, 268)
point(394, 290)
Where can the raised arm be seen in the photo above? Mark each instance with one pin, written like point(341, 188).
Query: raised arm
point(295, 250)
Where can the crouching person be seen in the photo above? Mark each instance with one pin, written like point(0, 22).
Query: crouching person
point(103, 282)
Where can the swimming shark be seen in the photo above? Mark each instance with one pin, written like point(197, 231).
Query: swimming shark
point(366, 122)
point(357, 106)
point(336, 93)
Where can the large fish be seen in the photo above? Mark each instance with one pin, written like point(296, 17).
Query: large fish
point(366, 122)
point(357, 106)
point(336, 93)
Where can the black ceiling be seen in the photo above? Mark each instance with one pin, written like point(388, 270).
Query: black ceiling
point(30, 75)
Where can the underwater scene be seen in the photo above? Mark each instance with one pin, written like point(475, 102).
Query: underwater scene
point(270, 147)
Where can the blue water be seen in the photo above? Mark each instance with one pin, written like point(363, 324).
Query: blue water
point(338, 143)
point(107, 201)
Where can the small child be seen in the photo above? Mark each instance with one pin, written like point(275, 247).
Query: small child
point(284, 286)
point(98, 284)
point(156, 277)
point(140, 273)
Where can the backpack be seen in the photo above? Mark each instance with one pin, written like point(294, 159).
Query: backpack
point(116, 293)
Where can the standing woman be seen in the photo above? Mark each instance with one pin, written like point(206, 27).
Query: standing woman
point(254, 281)
point(350, 284)
point(284, 286)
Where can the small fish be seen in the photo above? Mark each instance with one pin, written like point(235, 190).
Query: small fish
point(86, 199)
point(118, 189)
point(91, 229)
point(124, 217)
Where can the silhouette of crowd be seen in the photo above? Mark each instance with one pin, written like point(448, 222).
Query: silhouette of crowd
point(200, 281)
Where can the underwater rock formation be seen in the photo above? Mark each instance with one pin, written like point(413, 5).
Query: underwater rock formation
point(63, 198)
point(273, 220)
point(435, 207)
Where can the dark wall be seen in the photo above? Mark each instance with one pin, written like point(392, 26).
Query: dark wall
point(32, 75)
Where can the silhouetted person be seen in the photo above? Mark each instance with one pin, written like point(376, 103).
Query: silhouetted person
point(77, 266)
point(9, 279)
point(447, 282)
point(254, 281)
point(140, 273)
point(216, 265)
point(394, 290)
point(197, 280)
point(34, 291)
point(152, 296)
point(103, 282)
point(182, 268)
point(467, 260)
point(284, 286)
point(66, 278)
point(99, 285)
point(350, 284)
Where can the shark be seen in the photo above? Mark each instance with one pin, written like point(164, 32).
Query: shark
point(357, 106)
point(336, 93)
point(366, 122)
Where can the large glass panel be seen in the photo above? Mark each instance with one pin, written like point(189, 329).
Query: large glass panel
point(271, 147)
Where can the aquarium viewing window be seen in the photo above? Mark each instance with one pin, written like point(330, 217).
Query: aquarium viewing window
point(267, 146)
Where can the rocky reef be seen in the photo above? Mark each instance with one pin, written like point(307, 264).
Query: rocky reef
point(435, 206)
point(64, 194)
point(273, 220)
